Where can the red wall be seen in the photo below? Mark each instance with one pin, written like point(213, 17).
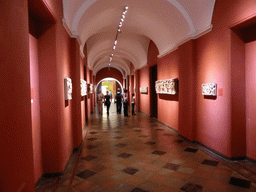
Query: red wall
point(221, 122)
point(186, 90)
point(168, 105)
point(59, 57)
point(16, 162)
point(144, 81)
point(35, 106)
point(214, 64)
point(152, 54)
point(250, 60)
point(238, 103)
point(76, 93)
point(104, 73)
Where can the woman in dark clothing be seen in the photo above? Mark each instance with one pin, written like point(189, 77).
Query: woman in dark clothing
point(107, 101)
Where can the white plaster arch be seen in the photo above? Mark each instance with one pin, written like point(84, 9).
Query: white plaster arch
point(107, 79)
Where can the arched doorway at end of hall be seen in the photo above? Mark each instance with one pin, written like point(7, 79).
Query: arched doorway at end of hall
point(110, 84)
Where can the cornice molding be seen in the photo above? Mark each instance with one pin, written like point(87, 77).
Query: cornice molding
point(194, 36)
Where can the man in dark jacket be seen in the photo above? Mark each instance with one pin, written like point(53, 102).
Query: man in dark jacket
point(118, 101)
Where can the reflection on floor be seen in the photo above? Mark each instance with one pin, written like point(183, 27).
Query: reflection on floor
point(138, 153)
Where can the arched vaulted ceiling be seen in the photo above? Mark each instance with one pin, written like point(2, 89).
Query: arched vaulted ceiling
point(168, 23)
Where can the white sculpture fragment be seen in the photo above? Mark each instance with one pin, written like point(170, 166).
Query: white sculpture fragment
point(144, 90)
point(209, 89)
point(68, 88)
point(83, 87)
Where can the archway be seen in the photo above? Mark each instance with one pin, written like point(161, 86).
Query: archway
point(105, 84)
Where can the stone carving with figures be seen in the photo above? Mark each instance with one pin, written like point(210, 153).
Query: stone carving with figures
point(169, 86)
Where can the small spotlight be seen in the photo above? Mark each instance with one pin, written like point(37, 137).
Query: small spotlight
point(114, 47)
point(126, 7)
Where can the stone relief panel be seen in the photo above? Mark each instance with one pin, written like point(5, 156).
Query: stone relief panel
point(209, 89)
point(169, 86)
point(68, 88)
point(91, 88)
point(83, 87)
point(144, 90)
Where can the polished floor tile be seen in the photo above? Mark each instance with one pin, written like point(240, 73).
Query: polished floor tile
point(138, 153)
point(240, 182)
point(85, 174)
point(210, 162)
point(130, 170)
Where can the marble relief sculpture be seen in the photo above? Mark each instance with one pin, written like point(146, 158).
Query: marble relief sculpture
point(144, 90)
point(209, 89)
point(169, 86)
point(91, 88)
point(83, 87)
point(68, 88)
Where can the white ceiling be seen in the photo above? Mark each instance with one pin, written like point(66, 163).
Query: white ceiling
point(168, 23)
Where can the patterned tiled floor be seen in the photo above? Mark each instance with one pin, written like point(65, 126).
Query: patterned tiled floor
point(137, 153)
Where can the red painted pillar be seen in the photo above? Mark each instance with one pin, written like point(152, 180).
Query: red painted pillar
point(186, 90)
point(91, 81)
point(16, 162)
point(76, 94)
point(137, 93)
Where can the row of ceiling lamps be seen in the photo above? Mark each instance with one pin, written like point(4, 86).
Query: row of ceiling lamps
point(118, 31)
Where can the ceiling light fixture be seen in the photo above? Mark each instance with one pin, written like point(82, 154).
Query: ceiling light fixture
point(118, 31)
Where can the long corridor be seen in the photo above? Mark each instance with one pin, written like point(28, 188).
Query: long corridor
point(138, 153)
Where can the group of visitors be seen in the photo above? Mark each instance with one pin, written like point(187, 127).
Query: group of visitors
point(119, 99)
point(103, 99)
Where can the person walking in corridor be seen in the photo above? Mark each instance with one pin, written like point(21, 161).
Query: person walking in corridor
point(125, 100)
point(133, 104)
point(107, 101)
point(99, 101)
point(118, 101)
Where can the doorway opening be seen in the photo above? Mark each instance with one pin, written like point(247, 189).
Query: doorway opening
point(153, 95)
point(109, 84)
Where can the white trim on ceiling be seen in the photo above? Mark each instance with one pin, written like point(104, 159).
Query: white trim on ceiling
point(194, 36)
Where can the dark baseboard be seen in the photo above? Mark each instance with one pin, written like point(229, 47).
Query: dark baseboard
point(220, 154)
point(208, 148)
point(251, 160)
point(76, 149)
point(50, 175)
